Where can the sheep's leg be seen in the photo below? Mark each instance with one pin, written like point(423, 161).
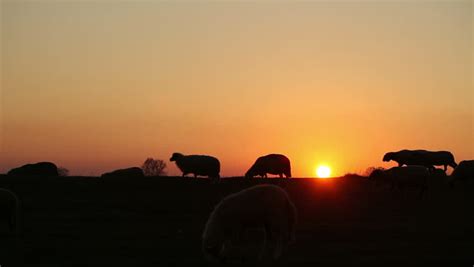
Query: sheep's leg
point(237, 236)
point(278, 246)
point(274, 240)
point(11, 223)
point(225, 252)
point(281, 175)
point(451, 183)
point(393, 186)
point(422, 191)
point(264, 244)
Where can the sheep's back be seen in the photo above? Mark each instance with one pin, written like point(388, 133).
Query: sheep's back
point(440, 157)
point(201, 165)
point(273, 164)
point(424, 157)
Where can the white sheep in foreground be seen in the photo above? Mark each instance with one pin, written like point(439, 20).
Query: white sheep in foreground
point(9, 210)
point(402, 177)
point(198, 165)
point(266, 207)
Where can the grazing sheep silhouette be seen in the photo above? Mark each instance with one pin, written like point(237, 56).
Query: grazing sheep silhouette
point(198, 165)
point(265, 207)
point(133, 172)
point(273, 164)
point(401, 177)
point(9, 209)
point(422, 158)
point(37, 169)
point(463, 172)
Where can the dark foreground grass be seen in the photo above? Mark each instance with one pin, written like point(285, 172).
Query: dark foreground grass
point(80, 221)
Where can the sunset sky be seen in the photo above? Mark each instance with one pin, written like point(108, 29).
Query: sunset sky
point(99, 85)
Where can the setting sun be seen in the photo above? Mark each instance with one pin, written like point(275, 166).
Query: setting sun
point(323, 171)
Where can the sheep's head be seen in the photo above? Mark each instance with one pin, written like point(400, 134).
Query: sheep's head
point(388, 156)
point(248, 174)
point(213, 241)
point(176, 156)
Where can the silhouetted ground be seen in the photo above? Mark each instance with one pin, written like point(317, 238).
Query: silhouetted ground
point(80, 221)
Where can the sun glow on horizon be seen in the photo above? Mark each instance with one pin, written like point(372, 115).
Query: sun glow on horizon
point(323, 171)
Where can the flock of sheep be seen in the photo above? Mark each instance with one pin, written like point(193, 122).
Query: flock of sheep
point(420, 168)
point(210, 166)
point(269, 207)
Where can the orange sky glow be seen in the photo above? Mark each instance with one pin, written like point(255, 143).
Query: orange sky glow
point(96, 85)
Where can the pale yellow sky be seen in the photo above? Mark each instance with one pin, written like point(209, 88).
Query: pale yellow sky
point(99, 85)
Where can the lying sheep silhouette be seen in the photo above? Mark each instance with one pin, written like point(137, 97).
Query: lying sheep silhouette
point(198, 165)
point(9, 209)
point(402, 177)
point(133, 172)
point(422, 158)
point(47, 169)
point(273, 164)
point(463, 172)
point(266, 207)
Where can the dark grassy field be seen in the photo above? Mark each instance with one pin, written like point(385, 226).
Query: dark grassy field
point(346, 221)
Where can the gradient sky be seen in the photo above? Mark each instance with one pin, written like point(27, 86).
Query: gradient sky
point(99, 85)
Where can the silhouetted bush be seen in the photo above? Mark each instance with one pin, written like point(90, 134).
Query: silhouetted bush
point(154, 167)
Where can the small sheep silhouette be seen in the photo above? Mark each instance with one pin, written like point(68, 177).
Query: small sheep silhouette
point(198, 165)
point(273, 164)
point(37, 169)
point(422, 158)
